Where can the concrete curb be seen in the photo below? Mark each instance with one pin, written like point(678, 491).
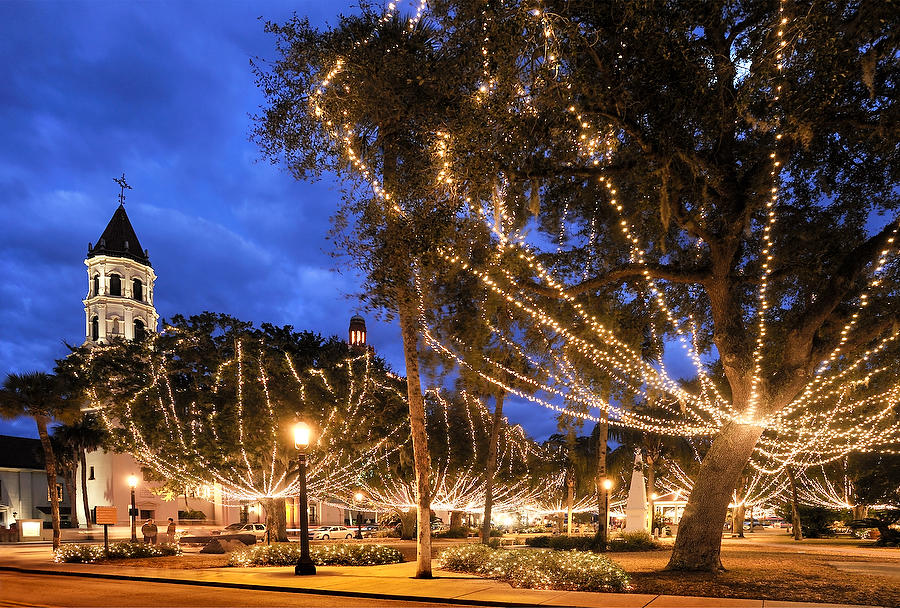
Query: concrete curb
point(277, 588)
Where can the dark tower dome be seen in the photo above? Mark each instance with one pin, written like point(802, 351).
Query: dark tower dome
point(119, 240)
point(357, 332)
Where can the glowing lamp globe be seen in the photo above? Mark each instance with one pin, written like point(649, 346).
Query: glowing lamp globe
point(359, 496)
point(132, 481)
point(301, 435)
point(607, 484)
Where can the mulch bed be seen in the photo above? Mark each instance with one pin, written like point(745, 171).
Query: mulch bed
point(768, 573)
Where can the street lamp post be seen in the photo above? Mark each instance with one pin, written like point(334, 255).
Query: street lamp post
point(604, 525)
point(301, 441)
point(132, 483)
point(359, 498)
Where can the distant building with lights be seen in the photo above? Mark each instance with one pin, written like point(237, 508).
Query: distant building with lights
point(23, 483)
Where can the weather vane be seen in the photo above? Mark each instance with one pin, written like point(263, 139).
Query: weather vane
point(121, 181)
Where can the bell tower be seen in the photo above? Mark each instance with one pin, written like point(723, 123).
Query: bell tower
point(357, 332)
point(119, 302)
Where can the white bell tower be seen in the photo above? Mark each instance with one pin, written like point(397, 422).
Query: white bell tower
point(119, 302)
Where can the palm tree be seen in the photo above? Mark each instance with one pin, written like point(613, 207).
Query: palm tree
point(85, 435)
point(66, 465)
point(43, 397)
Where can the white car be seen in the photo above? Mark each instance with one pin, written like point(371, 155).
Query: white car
point(329, 532)
point(257, 530)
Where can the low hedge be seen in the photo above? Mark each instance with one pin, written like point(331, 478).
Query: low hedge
point(536, 568)
point(638, 540)
point(452, 533)
point(561, 542)
point(77, 553)
point(287, 554)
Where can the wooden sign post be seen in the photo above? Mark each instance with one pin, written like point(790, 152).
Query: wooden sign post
point(107, 516)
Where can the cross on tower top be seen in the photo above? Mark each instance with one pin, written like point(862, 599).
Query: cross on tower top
point(123, 184)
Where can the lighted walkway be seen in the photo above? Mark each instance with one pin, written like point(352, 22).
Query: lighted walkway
point(377, 582)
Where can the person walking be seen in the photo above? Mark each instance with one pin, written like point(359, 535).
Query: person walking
point(170, 531)
point(149, 530)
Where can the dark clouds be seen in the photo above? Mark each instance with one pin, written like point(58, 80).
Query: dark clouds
point(161, 91)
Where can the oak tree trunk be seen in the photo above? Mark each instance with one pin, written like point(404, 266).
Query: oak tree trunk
point(737, 520)
point(271, 519)
point(280, 534)
point(407, 314)
point(84, 492)
point(491, 468)
point(455, 520)
point(408, 524)
point(698, 544)
point(796, 529)
point(50, 465)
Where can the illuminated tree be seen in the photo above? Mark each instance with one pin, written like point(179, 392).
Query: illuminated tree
point(732, 165)
point(733, 162)
point(210, 400)
point(383, 112)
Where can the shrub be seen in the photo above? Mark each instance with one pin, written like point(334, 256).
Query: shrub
point(288, 554)
point(537, 569)
point(94, 553)
point(191, 514)
point(636, 540)
point(562, 542)
point(453, 533)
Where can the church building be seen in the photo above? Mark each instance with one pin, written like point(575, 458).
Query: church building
point(119, 304)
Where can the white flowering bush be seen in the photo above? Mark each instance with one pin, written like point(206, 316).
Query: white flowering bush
point(537, 568)
point(77, 553)
point(287, 554)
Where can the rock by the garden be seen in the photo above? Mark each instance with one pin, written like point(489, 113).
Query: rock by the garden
point(218, 545)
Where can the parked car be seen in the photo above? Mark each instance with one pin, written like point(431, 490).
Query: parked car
point(328, 532)
point(257, 530)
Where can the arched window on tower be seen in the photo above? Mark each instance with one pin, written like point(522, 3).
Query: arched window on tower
point(95, 328)
point(96, 286)
point(138, 330)
point(115, 328)
point(115, 285)
point(137, 290)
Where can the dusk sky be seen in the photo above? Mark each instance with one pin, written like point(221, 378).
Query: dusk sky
point(163, 92)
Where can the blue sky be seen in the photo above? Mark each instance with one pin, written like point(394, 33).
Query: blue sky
point(162, 91)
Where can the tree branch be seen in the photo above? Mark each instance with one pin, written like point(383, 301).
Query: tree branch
point(628, 271)
point(838, 287)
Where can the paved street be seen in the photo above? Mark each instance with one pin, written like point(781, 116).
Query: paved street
point(49, 590)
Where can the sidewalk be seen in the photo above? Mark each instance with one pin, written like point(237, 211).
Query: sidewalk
point(392, 582)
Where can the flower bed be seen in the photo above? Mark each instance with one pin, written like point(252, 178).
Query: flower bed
point(87, 554)
point(287, 554)
point(537, 568)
